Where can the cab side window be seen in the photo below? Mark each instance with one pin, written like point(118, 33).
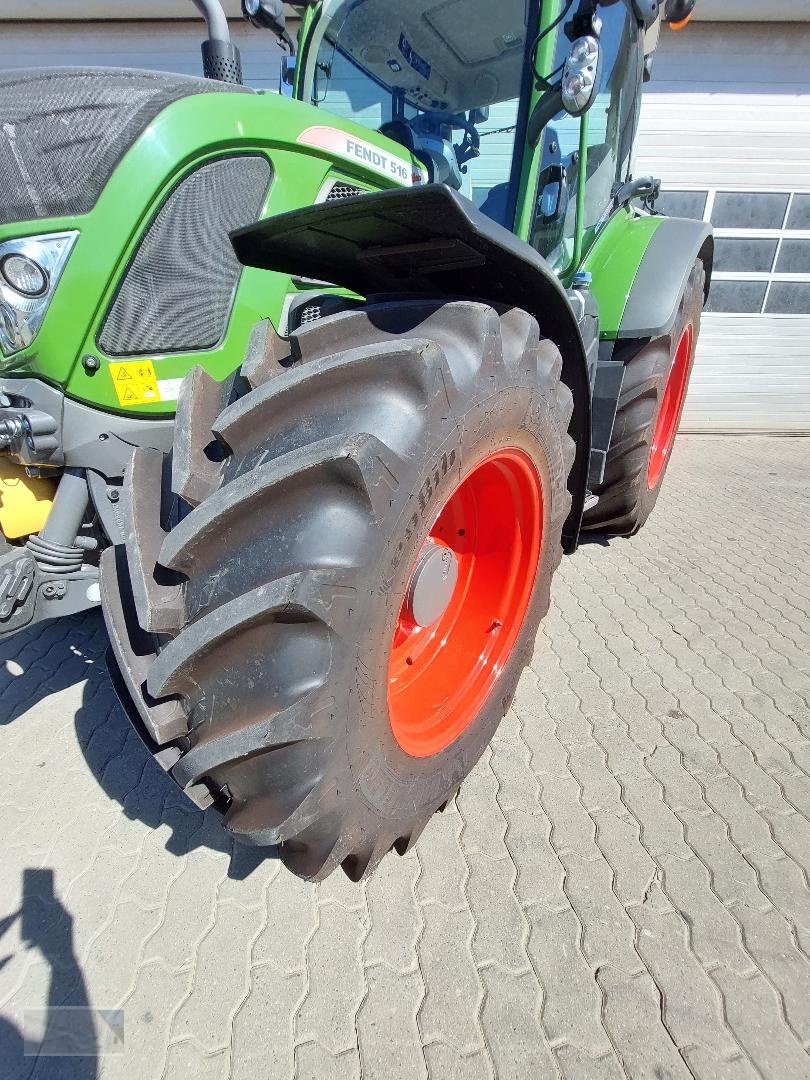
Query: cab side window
point(555, 218)
point(611, 119)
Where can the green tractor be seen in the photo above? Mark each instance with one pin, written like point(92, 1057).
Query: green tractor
point(312, 390)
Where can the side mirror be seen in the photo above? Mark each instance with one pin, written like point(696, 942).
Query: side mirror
point(581, 75)
point(287, 77)
point(266, 15)
point(678, 12)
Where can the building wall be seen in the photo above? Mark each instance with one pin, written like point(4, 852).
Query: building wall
point(159, 46)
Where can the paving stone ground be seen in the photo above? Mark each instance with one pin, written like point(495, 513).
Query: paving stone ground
point(621, 889)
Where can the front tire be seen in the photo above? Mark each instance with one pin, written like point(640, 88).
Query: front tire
point(286, 597)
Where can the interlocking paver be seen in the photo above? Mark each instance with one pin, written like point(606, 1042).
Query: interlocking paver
point(576, 1064)
point(510, 1018)
point(501, 928)
point(449, 1012)
point(691, 1005)
point(328, 1012)
point(315, 1062)
point(622, 888)
point(754, 1011)
point(397, 920)
point(632, 1016)
point(262, 1039)
point(188, 1058)
point(147, 1022)
point(387, 1028)
point(555, 948)
point(222, 959)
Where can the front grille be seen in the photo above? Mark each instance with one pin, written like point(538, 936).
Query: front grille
point(342, 190)
point(179, 289)
point(64, 130)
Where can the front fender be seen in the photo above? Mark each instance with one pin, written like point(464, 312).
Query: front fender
point(432, 241)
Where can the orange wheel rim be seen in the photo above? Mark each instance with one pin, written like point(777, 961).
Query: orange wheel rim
point(666, 426)
point(465, 603)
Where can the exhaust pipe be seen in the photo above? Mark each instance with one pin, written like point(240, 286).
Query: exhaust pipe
point(221, 59)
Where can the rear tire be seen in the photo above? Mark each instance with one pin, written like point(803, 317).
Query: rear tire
point(637, 462)
point(283, 587)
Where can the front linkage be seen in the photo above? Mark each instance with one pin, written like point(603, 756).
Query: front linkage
point(56, 572)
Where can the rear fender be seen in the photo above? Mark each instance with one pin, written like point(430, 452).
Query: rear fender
point(430, 240)
point(655, 296)
point(640, 296)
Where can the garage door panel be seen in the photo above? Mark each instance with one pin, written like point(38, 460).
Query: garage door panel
point(726, 125)
point(751, 374)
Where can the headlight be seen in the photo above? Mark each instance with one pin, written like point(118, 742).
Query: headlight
point(24, 275)
point(29, 273)
point(581, 75)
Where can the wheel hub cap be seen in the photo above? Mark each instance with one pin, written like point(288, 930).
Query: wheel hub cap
point(432, 584)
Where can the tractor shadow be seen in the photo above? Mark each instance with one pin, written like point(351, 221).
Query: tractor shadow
point(587, 539)
point(52, 658)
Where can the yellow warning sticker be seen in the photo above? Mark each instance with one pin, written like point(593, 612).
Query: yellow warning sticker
point(135, 383)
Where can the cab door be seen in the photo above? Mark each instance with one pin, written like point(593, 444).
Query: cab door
point(568, 194)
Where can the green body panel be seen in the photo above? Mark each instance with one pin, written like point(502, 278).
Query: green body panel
point(182, 137)
point(614, 260)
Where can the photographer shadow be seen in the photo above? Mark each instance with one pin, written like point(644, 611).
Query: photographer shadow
point(61, 1040)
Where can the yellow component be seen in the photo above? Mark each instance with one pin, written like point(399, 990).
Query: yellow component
point(24, 502)
point(135, 382)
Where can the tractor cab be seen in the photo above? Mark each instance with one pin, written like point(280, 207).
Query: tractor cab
point(460, 87)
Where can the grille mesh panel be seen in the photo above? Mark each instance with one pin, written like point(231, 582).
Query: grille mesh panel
point(341, 190)
point(179, 289)
point(310, 314)
point(63, 131)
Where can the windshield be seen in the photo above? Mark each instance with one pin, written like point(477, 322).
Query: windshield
point(443, 77)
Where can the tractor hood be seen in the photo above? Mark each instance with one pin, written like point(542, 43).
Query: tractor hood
point(64, 130)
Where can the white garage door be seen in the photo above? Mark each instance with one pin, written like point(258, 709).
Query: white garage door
point(157, 45)
point(726, 125)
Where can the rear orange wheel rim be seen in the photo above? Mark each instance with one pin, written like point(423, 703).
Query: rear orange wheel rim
point(666, 426)
point(465, 602)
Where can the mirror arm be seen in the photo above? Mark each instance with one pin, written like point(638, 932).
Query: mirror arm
point(543, 113)
point(644, 187)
